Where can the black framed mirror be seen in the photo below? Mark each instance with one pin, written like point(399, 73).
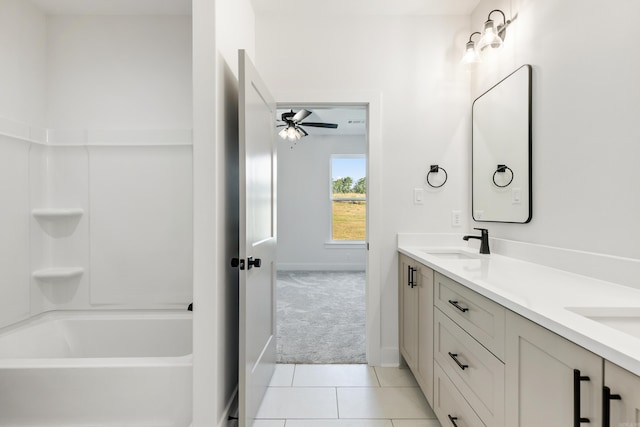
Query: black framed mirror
point(501, 151)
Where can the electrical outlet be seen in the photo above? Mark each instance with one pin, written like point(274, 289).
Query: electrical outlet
point(456, 218)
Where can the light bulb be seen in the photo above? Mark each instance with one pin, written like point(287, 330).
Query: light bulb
point(292, 134)
point(490, 37)
point(470, 56)
point(283, 133)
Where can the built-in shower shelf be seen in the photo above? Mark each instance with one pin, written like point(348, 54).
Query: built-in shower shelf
point(58, 273)
point(57, 213)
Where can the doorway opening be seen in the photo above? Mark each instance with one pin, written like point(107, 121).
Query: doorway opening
point(321, 291)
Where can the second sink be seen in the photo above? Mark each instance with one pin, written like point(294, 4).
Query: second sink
point(624, 319)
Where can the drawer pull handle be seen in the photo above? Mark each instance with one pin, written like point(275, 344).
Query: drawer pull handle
point(577, 378)
point(453, 420)
point(458, 306)
point(607, 397)
point(454, 356)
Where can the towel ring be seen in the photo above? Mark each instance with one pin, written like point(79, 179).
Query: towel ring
point(502, 169)
point(436, 169)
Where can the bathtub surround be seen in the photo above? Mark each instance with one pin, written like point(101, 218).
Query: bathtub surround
point(96, 146)
point(320, 317)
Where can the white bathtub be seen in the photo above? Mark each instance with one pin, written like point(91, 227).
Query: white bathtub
point(97, 368)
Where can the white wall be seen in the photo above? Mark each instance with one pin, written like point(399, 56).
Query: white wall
point(413, 62)
point(22, 85)
point(585, 111)
point(23, 53)
point(304, 207)
point(219, 29)
point(119, 72)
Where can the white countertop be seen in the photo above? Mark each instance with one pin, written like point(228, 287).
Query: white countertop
point(542, 295)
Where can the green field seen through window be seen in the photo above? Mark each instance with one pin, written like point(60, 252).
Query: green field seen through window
point(348, 199)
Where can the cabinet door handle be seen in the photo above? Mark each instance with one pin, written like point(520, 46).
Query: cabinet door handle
point(453, 420)
point(412, 278)
point(458, 306)
point(454, 356)
point(577, 378)
point(607, 397)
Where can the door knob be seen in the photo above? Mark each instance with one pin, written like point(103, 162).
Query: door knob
point(237, 263)
point(257, 263)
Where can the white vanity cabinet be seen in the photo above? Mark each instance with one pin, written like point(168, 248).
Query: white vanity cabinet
point(469, 336)
point(416, 321)
point(550, 380)
point(621, 397)
point(481, 364)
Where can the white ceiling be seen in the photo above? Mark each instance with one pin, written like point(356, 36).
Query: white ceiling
point(114, 7)
point(364, 7)
point(263, 7)
point(350, 120)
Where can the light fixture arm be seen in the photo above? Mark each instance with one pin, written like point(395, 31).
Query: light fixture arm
point(473, 34)
point(500, 28)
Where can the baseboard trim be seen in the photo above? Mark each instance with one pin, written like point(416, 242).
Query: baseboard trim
point(390, 357)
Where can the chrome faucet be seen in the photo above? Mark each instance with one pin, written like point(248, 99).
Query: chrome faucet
point(484, 240)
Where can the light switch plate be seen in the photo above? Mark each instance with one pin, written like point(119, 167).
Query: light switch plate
point(418, 196)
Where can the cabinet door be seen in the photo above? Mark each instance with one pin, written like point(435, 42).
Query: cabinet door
point(625, 410)
point(408, 307)
point(547, 376)
point(424, 374)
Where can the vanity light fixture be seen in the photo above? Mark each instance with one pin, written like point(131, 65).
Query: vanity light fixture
point(471, 56)
point(492, 35)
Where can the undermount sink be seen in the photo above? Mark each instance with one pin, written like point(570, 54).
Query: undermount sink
point(623, 319)
point(450, 254)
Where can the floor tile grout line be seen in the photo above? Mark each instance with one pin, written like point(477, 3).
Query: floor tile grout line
point(294, 374)
point(375, 371)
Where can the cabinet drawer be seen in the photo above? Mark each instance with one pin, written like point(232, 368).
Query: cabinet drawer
point(449, 404)
point(479, 316)
point(476, 373)
point(625, 410)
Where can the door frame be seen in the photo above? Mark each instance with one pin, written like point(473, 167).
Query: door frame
point(372, 102)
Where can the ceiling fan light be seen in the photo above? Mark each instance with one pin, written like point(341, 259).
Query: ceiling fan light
point(283, 133)
point(292, 135)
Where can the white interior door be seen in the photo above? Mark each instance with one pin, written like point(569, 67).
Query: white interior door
point(257, 352)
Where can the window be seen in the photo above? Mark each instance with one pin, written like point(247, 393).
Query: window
point(348, 197)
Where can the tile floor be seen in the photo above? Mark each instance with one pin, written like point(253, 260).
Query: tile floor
point(344, 396)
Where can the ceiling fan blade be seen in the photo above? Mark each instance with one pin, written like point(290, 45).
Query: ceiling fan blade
point(320, 125)
point(279, 126)
point(301, 115)
point(286, 116)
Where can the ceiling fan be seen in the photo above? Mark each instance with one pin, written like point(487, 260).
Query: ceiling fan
point(292, 123)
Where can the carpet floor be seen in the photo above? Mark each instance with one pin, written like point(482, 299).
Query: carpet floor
point(321, 317)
